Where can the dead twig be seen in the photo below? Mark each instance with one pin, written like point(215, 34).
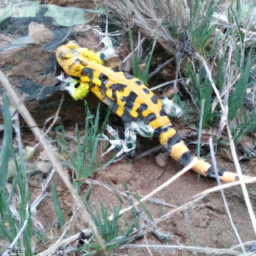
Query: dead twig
point(147, 152)
point(167, 83)
point(206, 250)
point(160, 202)
point(160, 68)
point(224, 186)
point(43, 193)
point(56, 116)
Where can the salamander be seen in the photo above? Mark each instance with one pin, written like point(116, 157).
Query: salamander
point(141, 110)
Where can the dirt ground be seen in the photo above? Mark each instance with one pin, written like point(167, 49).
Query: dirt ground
point(204, 223)
point(207, 220)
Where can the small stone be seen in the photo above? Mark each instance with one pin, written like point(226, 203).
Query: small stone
point(162, 159)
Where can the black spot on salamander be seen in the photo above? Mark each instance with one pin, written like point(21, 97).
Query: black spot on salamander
point(115, 69)
point(162, 111)
point(146, 90)
point(115, 88)
point(142, 107)
point(103, 90)
point(129, 101)
point(154, 99)
point(119, 87)
point(103, 77)
point(138, 82)
point(211, 173)
point(114, 93)
point(173, 141)
point(220, 171)
point(126, 117)
point(151, 117)
point(160, 130)
point(114, 107)
point(128, 76)
point(186, 158)
point(87, 72)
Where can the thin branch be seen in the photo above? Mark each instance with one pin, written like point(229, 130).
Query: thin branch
point(206, 250)
point(160, 68)
point(248, 243)
point(180, 208)
point(43, 193)
point(131, 53)
point(167, 83)
point(224, 186)
point(56, 116)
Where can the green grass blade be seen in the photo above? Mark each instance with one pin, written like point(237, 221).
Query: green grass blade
point(5, 212)
point(57, 207)
point(136, 69)
point(146, 71)
point(236, 98)
point(5, 152)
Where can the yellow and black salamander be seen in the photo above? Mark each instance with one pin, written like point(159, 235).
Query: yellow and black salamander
point(141, 110)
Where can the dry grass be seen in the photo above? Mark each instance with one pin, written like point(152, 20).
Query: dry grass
point(167, 22)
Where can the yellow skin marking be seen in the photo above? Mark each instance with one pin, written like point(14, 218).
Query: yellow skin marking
point(178, 150)
point(201, 166)
point(73, 59)
point(166, 135)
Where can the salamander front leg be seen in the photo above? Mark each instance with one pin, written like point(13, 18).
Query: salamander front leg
point(171, 108)
point(123, 147)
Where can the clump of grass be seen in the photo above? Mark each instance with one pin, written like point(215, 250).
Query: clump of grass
point(200, 27)
point(15, 212)
point(201, 89)
point(143, 76)
point(107, 229)
point(110, 230)
point(84, 158)
point(236, 98)
point(57, 207)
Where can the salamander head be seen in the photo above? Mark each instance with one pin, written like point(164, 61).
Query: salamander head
point(67, 57)
point(73, 58)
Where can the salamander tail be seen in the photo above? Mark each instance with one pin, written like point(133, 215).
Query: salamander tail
point(169, 138)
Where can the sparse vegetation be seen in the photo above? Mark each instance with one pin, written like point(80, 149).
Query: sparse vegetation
point(214, 71)
point(15, 201)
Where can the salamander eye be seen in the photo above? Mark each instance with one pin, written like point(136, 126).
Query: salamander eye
point(66, 55)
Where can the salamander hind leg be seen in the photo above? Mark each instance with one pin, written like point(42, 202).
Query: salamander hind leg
point(125, 147)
